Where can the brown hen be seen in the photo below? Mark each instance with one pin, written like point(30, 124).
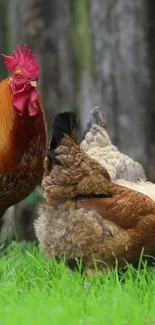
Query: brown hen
point(86, 215)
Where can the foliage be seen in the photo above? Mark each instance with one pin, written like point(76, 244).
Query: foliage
point(35, 197)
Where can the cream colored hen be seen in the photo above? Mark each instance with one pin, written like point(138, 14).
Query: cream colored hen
point(122, 169)
point(97, 144)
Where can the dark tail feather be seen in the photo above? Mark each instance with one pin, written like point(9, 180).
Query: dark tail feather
point(96, 117)
point(64, 123)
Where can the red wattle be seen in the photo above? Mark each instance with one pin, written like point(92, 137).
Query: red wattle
point(32, 103)
point(26, 101)
point(20, 101)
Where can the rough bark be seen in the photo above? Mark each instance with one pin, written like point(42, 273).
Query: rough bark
point(121, 72)
point(18, 224)
point(46, 27)
point(3, 36)
point(81, 36)
point(18, 220)
point(150, 112)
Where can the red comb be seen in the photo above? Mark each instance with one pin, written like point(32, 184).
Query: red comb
point(24, 60)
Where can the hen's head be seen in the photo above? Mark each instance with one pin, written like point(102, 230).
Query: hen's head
point(23, 81)
point(95, 134)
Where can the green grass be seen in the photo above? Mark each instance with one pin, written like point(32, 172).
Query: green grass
point(34, 291)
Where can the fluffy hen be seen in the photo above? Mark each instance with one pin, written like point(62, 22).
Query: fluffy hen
point(86, 215)
point(122, 169)
point(97, 144)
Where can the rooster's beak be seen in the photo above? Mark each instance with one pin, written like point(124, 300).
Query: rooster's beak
point(33, 84)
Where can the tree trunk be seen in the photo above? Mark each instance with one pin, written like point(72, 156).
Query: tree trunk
point(150, 112)
point(82, 44)
point(46, 27)
point(3, 36)
point(121, 72)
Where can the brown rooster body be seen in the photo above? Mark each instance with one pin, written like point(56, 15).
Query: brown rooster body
point(22, 131)
point(88, 216)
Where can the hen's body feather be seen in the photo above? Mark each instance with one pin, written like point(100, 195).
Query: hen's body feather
point(146, 188)
point(116, 226)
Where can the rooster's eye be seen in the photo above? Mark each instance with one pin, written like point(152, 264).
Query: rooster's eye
point(18, 77)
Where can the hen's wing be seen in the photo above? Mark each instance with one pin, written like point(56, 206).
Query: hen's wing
point(68, 170)
point(146, 188)
point(97, 144)
point(73, 173)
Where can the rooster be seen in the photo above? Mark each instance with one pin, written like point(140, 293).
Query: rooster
point(22, 129)
point(97, 144)
point(86, 215)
